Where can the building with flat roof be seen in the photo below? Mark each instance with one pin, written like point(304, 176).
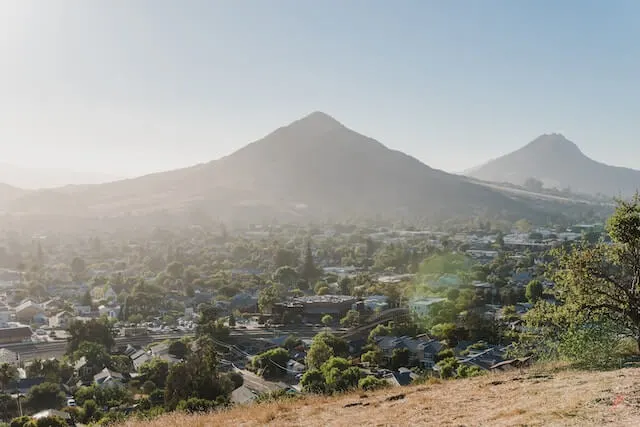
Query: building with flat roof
point(313, 308)
point(15, 335)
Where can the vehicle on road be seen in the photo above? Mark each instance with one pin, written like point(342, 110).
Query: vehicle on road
point(71, 402)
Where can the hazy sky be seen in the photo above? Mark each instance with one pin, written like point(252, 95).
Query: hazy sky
point(128, 87)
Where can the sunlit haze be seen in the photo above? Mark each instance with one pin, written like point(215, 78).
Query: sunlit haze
point(127, 88)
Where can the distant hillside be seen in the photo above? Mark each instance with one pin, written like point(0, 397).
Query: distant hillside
point(313, 168)
point(32, 178)
point(9, 193)
point(558, 162)
point(522, 398)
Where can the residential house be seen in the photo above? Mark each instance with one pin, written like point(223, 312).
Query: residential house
point(24, 385)
point(485, 359)
point(86, 369)
point(61, 320)
point(109, 311)
point(108, 378)
point(82, 310)
point(15, 335)
point(522, 277)
point(26, 311)
point(41, 319)
point(403, 377)
point(139, 358)
point(189, 313)
point(103, 293)
point(52, 306)
point(422, 350)
point(5, 316)
point(170, 359)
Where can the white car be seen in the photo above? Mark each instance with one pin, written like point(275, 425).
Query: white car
point(71, 402)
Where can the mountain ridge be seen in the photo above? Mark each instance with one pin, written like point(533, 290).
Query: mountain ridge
point(314, 167)
point(48, 178)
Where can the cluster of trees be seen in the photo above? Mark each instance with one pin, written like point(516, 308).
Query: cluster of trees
point(594, 322)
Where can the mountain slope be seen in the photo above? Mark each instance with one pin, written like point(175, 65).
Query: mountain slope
point(31, 178)
point(558, 162)
point(313, 168)
point(9, 193)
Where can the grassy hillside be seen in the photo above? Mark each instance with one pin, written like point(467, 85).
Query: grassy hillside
point(520, 398)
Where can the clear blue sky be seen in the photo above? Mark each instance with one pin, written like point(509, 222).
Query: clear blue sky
point(129, 87)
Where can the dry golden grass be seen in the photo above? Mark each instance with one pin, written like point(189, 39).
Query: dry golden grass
point(524, 398)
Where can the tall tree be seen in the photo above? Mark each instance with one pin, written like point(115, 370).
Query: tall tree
point(534, 291)
point(210, 326)
point(78, 267)
point(86, 299)
point(95, 330)
point(603, 280)
point(308, 271)
point(8, 373)
point(40, 254)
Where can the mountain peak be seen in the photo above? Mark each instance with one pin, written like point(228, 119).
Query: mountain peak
point(317, 121)
point(559, 163)
point(554, 143)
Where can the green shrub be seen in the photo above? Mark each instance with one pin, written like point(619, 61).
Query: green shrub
point(148, 387)
point(51, 422)
point(194, 405)
point(371, 383)
point(19, 421)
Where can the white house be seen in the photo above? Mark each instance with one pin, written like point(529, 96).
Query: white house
point(26, 311)
point(61, 320)
point(110, 312)
point(41, 319)
point(108, 378)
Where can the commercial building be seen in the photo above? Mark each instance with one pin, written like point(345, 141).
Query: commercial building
point(313, 308)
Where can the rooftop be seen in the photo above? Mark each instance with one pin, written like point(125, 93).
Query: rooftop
point(423, 302)
point(330, 299)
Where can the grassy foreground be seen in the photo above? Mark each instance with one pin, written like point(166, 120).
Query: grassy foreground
point(532, 397)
